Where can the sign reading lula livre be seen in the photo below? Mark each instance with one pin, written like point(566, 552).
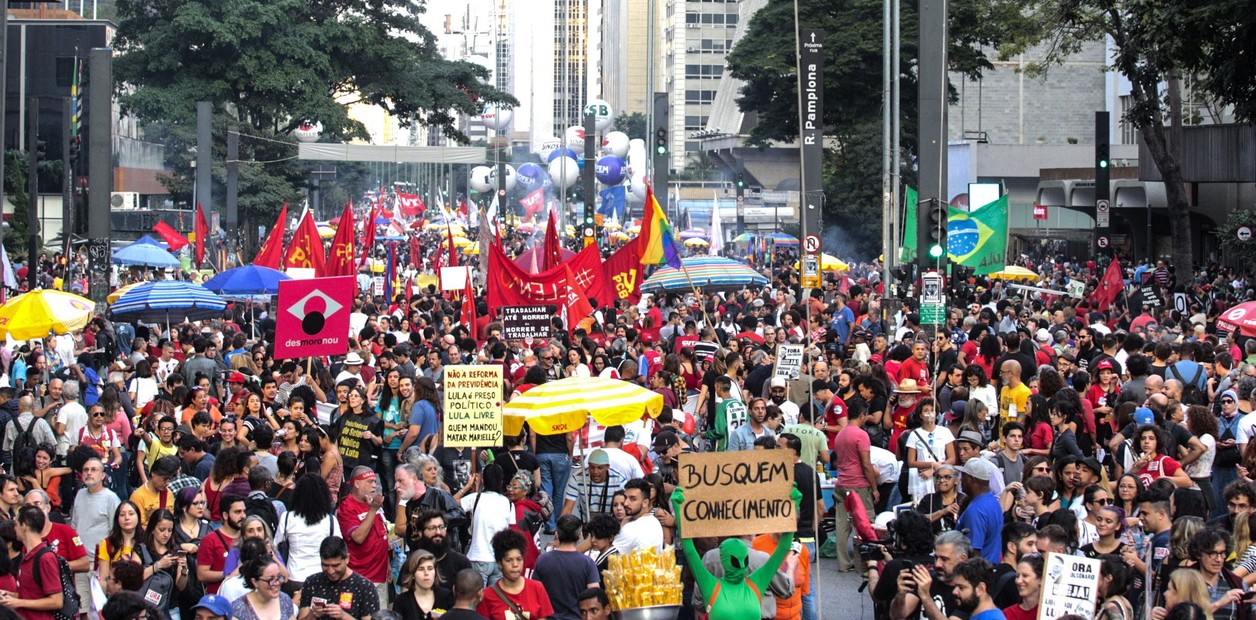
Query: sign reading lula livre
point(521, 322)
point(736, 493)
point(473, 406)
point(1070, 585)
point(788, 361)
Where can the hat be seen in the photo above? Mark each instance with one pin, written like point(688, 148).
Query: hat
point(183, 428)
point(115, 377)
point(353, 359)
point(217, 605)
point(907, 386)
point(1231, 394)
point(821, 384)
point(777, 382)
point(1143, 416)
point(957, 410)
point(1104, 364)
point(664, 441)
point(599, 457)
point(524, 478)
point(758, 303)
point(1042, 335)
point(979, 468)
point(972, 437)
point(236, 377)
point(1092, 464)
point(449, 339)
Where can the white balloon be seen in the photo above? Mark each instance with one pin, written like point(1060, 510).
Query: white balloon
point(637, 187)
point(510, 178)
point(616, 143)
point(308, 131)
point(564, 172)
point(549, 146)
point(575, 138)
point(495, 117)
point(603, 114)
point(479, 179)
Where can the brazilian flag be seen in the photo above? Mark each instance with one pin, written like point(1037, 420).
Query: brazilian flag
point(978, 238)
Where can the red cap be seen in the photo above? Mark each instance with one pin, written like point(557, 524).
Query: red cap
point(236, 377)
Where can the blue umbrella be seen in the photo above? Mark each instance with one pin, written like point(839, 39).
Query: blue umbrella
point(146, 252)
point(710, 272)
point(166, 300)
point(247, 280)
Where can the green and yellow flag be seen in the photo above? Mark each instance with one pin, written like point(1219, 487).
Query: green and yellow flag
point(910, 200)
point(978, 238)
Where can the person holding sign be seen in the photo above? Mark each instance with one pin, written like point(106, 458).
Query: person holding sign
point(736, 595)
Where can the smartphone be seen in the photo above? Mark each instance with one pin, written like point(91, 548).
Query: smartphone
point(1248, 596)
point(318, 602)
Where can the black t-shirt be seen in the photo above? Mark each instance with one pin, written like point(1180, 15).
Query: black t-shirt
point(552, 444)
point(943, 597)
point(1004, 591)
point(932, 503)
point(806, 514)
point(461, 614)
point(356, 595)
point(456, 463)
point(355, 450)
point(512, 461)
point(409, 608)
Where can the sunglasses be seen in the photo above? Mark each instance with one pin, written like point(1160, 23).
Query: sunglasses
point(1227, 401)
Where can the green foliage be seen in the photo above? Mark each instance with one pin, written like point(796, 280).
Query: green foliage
point(852, 187)
point(269, 65)
point(632, 124)
point(15, 242)
point(1240, 255)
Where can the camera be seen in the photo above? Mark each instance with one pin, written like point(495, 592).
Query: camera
point(871, 552)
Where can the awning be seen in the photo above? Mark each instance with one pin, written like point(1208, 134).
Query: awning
point(329, 151)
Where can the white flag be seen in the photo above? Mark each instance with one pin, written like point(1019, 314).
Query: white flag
point(717, 231)
point(10, 278)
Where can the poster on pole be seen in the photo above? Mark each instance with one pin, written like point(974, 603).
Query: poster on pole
point(523, 322)
point(736, 493)
point(473, 406)
point(788, 361)
point(1070, 585)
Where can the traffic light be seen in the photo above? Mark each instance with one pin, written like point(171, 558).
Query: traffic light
point(937, 229)
point(660, 141)
point(76, 143)
point(39, 150)
point(1101, 156)
point(589, 232)
point(741, 181)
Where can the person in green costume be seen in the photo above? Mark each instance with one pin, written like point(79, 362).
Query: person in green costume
point(736, 595)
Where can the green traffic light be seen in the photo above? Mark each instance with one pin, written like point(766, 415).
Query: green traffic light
point(935, 251)
point(662, 150)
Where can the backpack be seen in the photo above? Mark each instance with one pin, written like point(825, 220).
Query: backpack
point(70, 603)
point(1191, 394)
point(264, 508)
point(24, 443)
point(157, 589)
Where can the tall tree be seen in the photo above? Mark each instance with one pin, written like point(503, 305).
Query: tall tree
point(269, 65)
point(1154, 45)
point(765, 59)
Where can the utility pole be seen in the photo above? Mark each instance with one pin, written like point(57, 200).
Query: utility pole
point(232, 223)
point(34, 155)
point(99, 170)
point(67, 178)
point(932, 97)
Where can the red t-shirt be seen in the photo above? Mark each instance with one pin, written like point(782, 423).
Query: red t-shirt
point(1041, 437)
point(850, 443)
point(1156, 469)
point(834, 411)
point(370, 557)
point(1016, 613)
point(49, 582)
point(213, 555)
point(913, 369)
point(533, 599)
point(65, 541)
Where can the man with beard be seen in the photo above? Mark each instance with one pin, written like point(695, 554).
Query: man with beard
point(929, 595)
point(598, 493)
point(778, 393)
point(432, 536)
point(214, 547)
point(971, 587)
point(413, 499)
point(641, 529)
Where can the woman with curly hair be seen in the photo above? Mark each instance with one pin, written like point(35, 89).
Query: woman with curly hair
point(1203, 424)
point(40, 474)
point(265, 601)
point(513, 590)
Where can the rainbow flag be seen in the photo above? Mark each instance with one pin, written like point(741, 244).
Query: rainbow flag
point(657, 241)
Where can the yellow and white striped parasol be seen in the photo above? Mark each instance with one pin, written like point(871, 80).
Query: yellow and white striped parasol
point(565, 405)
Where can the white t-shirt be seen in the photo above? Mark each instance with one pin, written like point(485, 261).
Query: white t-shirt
point(1246, 429)
point(145, 391)
point(1202, 467)
point(493, 515)
point(74, 417)
point(232, 588)
point(644, 532)
point(923, 442)
point(303, 543)
point(624, 463)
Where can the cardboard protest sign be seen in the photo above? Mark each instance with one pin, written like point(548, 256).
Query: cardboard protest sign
point(1070, 585)
point(788, 361)
point(736, 493)
point(473, 406)
point(522, 322)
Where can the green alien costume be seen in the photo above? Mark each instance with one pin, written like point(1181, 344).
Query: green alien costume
point(736, 595)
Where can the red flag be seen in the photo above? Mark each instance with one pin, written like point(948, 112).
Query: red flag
point(552, 251)
point(409, 289)
point(463, 210)
point(306, 249)
point(342, 259)
point(621, 276)
point(574, 301)
point(271, 254)
point(468, 307)
point(410, 205)
point(202, 231)
point(1110, 286)
point(368, 238)
point(453, 252)
point(416, 252)
point(171, 236)
point(532, 203)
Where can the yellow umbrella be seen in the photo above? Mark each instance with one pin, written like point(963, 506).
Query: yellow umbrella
point(377, 266)
point(696, 243)
point(424, 279)
point(634, 229)
point(326, 232)
point(612, 226)
point(829, 262)
point(473, 250)
point(1014, 273)
point(114, 296)
point(620, 236)
point(462, 242)
point(35, 314)
point(565, 405)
